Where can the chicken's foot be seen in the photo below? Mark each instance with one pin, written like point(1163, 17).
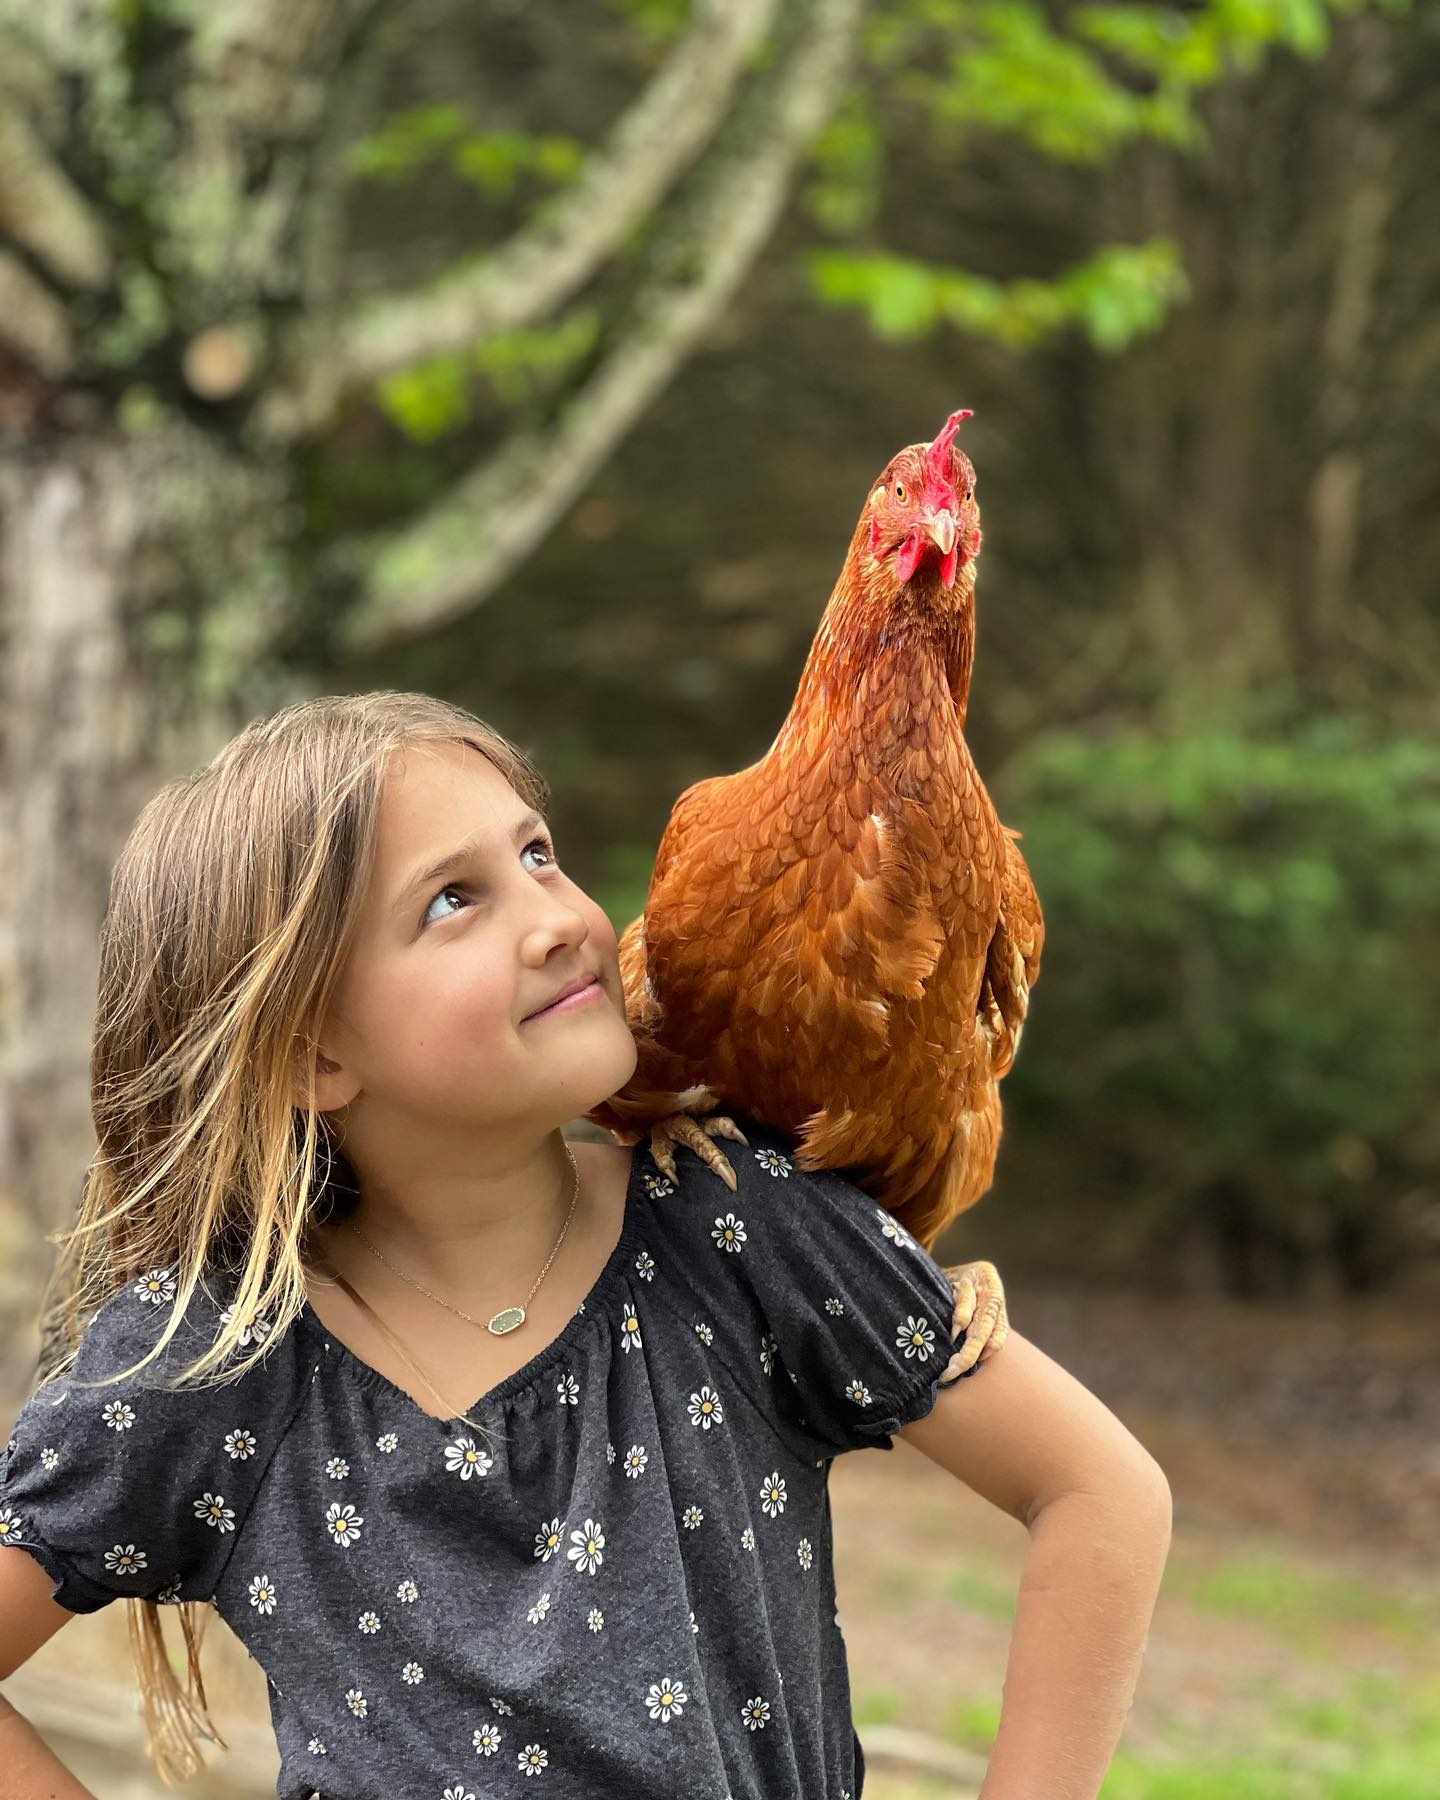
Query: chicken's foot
point(979, 1312)
point(696, 1135)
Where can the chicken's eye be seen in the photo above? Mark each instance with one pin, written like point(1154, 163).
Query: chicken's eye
point(900, 491)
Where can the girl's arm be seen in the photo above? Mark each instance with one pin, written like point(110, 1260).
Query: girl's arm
point(1033, 1441)
point(28, 1616)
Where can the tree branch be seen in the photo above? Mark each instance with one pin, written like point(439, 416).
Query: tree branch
point(33, 320)
point(40, 208)
point(551, 258)
point(457, 553)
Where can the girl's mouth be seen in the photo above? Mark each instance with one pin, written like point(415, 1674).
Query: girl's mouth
point(582, 997)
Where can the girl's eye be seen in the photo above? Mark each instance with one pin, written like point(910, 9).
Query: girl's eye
point(455, 887)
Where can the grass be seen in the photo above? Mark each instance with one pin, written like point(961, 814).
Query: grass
point(1300, 1601)
point(1371, 1733)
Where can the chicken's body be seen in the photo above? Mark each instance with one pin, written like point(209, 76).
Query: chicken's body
point(841, 939)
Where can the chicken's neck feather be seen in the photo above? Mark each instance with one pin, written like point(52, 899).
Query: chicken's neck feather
point(881, 645)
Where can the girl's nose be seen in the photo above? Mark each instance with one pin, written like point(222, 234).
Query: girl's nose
point(555, 921)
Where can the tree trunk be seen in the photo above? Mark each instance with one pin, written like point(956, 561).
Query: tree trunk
point(71, 756)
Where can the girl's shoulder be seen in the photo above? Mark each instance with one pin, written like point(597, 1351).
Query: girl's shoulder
point(129, 1475)
point(129, 1338)
point(804, 1275)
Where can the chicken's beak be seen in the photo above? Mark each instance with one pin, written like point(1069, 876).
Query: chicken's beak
point(941, 527)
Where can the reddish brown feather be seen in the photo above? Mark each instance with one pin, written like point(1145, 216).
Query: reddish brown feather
point(841, 939)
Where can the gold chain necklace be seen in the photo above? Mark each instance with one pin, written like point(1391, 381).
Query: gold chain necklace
point(511, 1317)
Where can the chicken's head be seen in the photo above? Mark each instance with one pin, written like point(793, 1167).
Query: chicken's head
point(923, 510)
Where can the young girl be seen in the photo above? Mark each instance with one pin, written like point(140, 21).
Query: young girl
point(508, 1462)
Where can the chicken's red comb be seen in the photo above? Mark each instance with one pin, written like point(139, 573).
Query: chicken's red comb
point(937, 457)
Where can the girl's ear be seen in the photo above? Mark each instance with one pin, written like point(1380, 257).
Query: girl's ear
point(335, 1086)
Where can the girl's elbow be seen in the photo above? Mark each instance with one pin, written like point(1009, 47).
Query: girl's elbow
point(1133, 1491)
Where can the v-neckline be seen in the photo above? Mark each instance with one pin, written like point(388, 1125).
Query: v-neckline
point(528, 1373)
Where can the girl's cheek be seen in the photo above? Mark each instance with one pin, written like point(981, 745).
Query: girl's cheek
point(601, 928)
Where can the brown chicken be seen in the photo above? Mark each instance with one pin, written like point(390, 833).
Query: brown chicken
point(841, 939)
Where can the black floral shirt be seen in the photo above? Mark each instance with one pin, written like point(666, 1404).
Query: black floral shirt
point(623, 1584)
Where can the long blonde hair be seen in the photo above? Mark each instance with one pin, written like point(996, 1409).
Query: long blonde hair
point(233, 905)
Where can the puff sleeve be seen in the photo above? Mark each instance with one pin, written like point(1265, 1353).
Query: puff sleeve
point(134, 1488)
point(854, 1316)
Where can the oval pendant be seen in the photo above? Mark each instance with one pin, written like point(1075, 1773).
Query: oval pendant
point(507, 1320)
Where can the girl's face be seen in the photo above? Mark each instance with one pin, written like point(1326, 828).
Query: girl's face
point(469, 929)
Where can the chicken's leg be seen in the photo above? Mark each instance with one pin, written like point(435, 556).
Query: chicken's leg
point(979, 1312)
point(695, 1134)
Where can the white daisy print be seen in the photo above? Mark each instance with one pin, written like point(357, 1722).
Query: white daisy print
point(691, 1518)
point(704, 1333)
point(705, 1409)
point(693, 1626)
point(747, 1538)
point(170, 1593)
point(262, 1594)
point(155, 1288)
point(645, 1266)
point(538, 1611)
point(767, 1354)
point(729, 1233)
point(369, 1623)
point(772, 1494)
point(587, 1548)
point(412, 1674)
point(610, 1453)
point(595, 1619)
point(834, 1306)
point(407, 1592)
point(255, 1330)
point(486, 1739)
point(657, 1187)
point(636, 1458)
point(629, 1329)
point(49, 1457)
point(118, 1416)
point(239, 1446)
point(337, 1468)
point(503, 1707)
point(547, 1540)
point(124, 1559)
point(532, 1759)
point(568, 1388)
point(666, 1699)
point(12, 1526)
point(458, 1792)
point(804, 1552)
point(316, 1746)
point(464, 1458)
point(755, 1713)
point(773, 1163)
point(213, 1510)
point(894, 1230)
point(356, 1701)
point(343, 1523)
point(386, 1442)
point(858, 1392)
point(915, 1337)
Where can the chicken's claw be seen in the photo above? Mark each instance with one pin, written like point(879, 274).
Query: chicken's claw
point(979, 1312)
point(696, 1135)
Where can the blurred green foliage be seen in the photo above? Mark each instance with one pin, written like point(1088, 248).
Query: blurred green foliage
point(420, 137)
point(432, 399)
point(1115, 296)
point(1077, 92)
point(1242, 973)
point(656, 21)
